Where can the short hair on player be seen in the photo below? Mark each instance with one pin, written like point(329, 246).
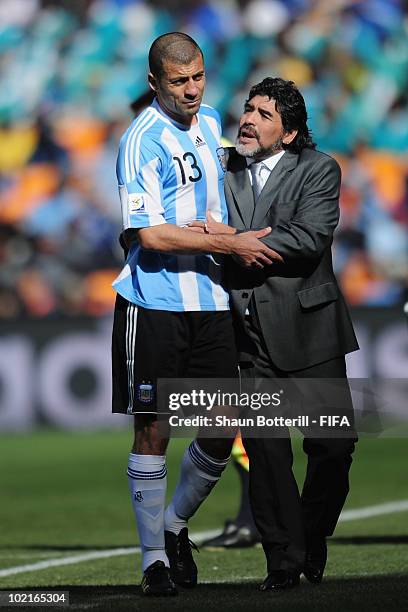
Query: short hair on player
point(175, 47)
point(291, 108)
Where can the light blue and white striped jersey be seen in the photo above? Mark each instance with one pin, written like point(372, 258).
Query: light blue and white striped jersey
point(169, 173)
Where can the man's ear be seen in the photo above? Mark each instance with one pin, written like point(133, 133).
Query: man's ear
point(289, 136)
point(152, 81)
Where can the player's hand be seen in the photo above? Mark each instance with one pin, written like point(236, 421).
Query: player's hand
point(198, 229)
point(249, 251)
point(211, 226)
point(215, 227)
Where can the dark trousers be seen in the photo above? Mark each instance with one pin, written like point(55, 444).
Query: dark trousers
point(290, 522)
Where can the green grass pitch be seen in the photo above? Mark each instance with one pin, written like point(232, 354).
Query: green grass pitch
point(64, 494)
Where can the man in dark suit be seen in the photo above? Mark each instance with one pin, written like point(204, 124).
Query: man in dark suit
point(291, 320)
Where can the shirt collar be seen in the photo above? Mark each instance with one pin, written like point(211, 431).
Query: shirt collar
point(269, 162)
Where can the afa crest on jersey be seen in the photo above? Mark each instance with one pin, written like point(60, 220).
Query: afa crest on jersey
point(145, 393)
point(221, 158)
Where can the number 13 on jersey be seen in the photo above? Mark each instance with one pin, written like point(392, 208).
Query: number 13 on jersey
point(188, 167)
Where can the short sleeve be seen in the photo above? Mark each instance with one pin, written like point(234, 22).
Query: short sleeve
point(139, 172)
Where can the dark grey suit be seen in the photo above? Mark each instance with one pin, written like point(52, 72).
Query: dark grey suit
point(299, 303)
point(299, 327)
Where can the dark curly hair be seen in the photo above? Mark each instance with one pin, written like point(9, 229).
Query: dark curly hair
point(291, 108)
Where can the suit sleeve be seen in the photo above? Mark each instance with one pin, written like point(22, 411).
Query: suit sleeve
point(311, 229)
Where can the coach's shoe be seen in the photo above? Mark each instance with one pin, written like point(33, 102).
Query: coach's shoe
point(279, 580)
point(316, 557)
point(183, 570)
point(234, 536)
point(156, 581)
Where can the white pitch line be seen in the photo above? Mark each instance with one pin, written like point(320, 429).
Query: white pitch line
point(346, 515)
point(97, 554)
point(369, 511)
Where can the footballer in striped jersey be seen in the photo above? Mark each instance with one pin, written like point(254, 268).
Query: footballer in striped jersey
point(172, 318)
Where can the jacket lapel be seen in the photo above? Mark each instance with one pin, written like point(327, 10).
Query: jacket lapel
point(237, 180)
point(272, 188)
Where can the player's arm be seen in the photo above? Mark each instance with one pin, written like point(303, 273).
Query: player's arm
point(139, 170)
point(311, 229)
point(211, 226)
point(247, 247)
point(168, 238)
point(143, 214)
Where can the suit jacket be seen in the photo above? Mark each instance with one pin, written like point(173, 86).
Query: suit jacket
point(301, 310)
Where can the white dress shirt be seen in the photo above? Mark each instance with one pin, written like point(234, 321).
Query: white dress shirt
point(266, 168)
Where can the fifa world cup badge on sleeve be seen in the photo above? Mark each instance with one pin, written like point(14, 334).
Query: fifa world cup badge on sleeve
point(137, 203)
point(145, 393)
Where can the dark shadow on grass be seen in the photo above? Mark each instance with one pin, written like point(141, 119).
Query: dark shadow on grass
point(355, 540)
point(378, 539)
point(374, 593)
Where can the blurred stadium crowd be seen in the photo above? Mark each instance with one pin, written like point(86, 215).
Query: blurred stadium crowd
point(69, 70)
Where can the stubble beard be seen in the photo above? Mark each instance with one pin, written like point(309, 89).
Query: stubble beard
point(247, 150)
point(259, 151)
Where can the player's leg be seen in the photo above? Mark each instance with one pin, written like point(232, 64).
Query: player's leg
point(213, 356)
point(141, 353)
point(199, 473)
point(147, 485)
point(147, 477)
point(241, 531)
